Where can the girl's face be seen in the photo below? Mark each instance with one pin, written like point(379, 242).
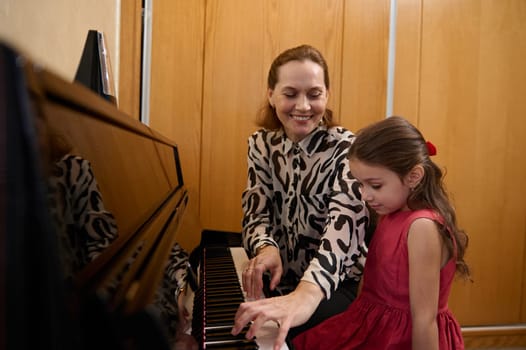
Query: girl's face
point(299, 98)
point(381, 188)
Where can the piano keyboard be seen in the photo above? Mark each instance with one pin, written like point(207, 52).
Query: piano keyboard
point(217, 300)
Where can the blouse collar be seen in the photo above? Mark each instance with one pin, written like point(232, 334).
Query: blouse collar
point(289, 145)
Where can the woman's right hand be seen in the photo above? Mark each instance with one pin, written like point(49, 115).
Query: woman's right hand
point(267, 259)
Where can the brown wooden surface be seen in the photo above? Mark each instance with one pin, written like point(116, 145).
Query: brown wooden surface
point(464, 77)
point(510, 337)
point(176, 95)
point(129, 98)
point(236, 64)
point(407, 60)
point(364, 62)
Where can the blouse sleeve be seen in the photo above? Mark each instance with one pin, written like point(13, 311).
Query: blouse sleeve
point(342, 250)
point(93, 219)
point(256, 199)
point(174, 279)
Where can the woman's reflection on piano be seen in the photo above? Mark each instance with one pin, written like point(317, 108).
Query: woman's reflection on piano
point(85, 228)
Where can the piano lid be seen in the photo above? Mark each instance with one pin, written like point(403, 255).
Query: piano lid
point(120, 190)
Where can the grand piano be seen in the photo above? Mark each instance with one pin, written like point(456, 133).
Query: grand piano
point(109, 303)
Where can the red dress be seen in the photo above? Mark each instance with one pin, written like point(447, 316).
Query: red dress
point(380, 317)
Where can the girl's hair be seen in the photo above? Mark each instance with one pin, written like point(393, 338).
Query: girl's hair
point(267, 117)
point(397, 145)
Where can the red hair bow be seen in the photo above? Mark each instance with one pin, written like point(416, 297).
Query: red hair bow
point(431, 149)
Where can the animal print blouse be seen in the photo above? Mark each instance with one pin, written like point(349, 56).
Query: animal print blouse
point(85, 227)
point(300, 198)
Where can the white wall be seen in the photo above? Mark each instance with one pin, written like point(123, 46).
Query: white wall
point(52, 32)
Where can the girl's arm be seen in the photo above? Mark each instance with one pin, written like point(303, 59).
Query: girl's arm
point(425, 248)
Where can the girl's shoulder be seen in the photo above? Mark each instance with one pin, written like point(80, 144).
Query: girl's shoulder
point(425, 213)
point(416, 215)
point(406, 218)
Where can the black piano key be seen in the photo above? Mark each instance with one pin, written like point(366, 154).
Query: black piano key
point(226, 322)
point(230, 312)
point(225, 291)
point(216, 303)
point(238, 345)
point(222, 304)
point(213, 335)
point(222, 339)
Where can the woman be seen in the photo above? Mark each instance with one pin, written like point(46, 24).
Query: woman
point(304, 222)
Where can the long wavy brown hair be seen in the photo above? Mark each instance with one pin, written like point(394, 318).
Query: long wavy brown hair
point(397, 145)
point(267, 117)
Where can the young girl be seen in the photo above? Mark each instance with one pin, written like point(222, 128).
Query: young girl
point(413, 255)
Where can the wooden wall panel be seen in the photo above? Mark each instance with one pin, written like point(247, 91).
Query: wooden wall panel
point(364, 62)
point(406, 100)
point(494, 338)
point(129, 98)
point(470, 104)
point(176, 94)
point(229, 50)
point(242, 38)
point(233, 86)
point(282, 33)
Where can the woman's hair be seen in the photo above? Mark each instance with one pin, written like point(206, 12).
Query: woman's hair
point(267, 117)
point(397, 145)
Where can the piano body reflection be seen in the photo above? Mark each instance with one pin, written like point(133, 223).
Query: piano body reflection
point(138, 173)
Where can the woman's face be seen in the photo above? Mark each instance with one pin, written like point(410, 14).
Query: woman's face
point(299, 98)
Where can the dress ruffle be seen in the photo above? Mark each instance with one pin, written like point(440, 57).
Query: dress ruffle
point(350, 329)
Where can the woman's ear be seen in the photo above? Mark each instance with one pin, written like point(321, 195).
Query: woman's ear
point(270, 94)
point(415, 176)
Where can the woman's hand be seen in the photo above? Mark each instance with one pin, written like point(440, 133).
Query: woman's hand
point(184, 341)
point(287, 311)
point(267, 259)
point(184, 322)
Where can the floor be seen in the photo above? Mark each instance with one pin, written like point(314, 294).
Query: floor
point(519, 348)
